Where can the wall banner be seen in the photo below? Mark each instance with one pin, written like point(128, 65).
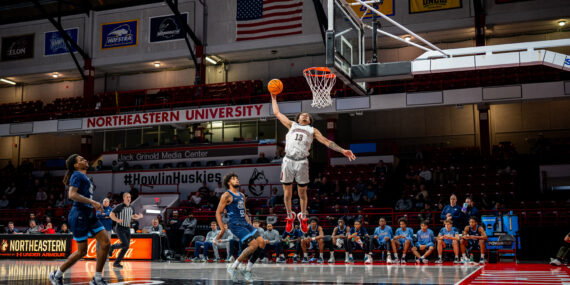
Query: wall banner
point(387, 7)
point(420, 6)
point(54, 43)
point(119, 34)
point(18, 47)
point(186, 154)
point(166, 28)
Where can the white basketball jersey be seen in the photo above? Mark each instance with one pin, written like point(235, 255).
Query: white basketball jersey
point(298, 141)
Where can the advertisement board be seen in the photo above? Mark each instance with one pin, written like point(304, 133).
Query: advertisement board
point(35, 246)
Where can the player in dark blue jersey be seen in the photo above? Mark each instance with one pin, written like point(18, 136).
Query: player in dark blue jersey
point(474, 237)
point(313, 240)
point(339, 240)
point(240, 224)
point(82, 220)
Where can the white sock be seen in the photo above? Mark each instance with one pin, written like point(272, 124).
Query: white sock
point(98, 276)
point(440, 257)
point(235, 264)
point(404, 256)
point(395, 255)
point(321, 255)
point(456, 256)
point(306, 255)
point(58, 273)
point(249, 266)
point(482, 255)
point(346, 255)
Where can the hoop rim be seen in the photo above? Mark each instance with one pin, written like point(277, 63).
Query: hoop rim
point(330, 74)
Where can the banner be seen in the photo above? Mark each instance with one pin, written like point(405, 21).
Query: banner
point(254, 178)
point(187, 154)
point(387, 7)
point(18, 47)
point(140, 248)
point(35, 246)
point(420, 6)
point(54, 43)
point(177, 116)
point(166, 28)
point(119, 34)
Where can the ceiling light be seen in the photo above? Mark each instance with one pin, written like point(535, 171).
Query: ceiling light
point(211, 60)
point(55, 75)
point(562, 23)
point(407, 38)
point(7, 81)
point(157, 64)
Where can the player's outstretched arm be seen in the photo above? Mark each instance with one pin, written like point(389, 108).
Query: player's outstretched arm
point(221, 206)
point(282, 118)
point(332, 145)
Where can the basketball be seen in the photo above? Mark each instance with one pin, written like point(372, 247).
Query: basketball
point(275, 86)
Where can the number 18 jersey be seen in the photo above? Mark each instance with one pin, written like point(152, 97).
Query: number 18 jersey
point(298, 141)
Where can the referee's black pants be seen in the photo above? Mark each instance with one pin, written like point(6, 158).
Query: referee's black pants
point(124, 234)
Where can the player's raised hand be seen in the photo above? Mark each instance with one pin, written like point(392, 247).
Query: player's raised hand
point(348, 153)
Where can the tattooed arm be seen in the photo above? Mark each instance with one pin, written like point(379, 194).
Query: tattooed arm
point(332, 145)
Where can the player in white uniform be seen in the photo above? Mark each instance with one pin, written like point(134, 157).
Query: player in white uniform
point(295, 166)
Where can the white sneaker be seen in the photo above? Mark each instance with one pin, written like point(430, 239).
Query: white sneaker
point(368, 259)
point(331, 260)
point(265, 260)
point(389, 259)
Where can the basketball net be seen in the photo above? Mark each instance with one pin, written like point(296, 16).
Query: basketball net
point(321, 81)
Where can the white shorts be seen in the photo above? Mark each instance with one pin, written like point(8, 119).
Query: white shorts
point(293, 170)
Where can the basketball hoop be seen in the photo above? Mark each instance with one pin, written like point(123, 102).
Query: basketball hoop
point(321, 80)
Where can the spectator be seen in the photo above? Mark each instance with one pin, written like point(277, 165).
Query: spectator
point(204, 189)
point(275, 198)
point(47, 221)
point(359, 239)
point(412, 175)
point(206, 244)
point(382, 237)
point(423, 192)
point(257, 225)
point(189, 227)
point(41, 195)
point(369, 194)
point(48, 229)
point(114, 165)
point(425, 174)
point(4, 203)
point(360, 185)
point(452, 212)
point(262, 158)
point(33, 228)
point(64, 229)
point(469, 209)
point(426, 242)
point(195, 199)
point(173, 230)
point(273, 241)
point(32, 216)
point(11, 229)
point(403, 239)
point(562, 252)
point(380, 169)
point(271, 217)
point(404, 204)
point(347, 196)
point(292, 239)
point(155, 228)
point(224, 242)
point(99, 166)
point(356, 195)
point(425, 213)
point(219, 190)
point(60, 202)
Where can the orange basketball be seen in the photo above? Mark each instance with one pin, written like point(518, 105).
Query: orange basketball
point(275, 86)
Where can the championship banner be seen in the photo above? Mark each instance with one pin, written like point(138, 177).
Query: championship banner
point(254, 178)
point(54, 43)
point(35, 246)
point(387, 7)
point(421, 6)
point(166, 28)
point(119, 34)
point(140, 248)
point(18, 47)
point(187, 154)
point(177, 116)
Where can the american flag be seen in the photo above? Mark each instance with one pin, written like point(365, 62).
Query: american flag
point(260, 19)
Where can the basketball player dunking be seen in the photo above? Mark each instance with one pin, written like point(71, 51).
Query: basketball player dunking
point(295, 166)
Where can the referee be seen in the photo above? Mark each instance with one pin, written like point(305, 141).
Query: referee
point(122, 215)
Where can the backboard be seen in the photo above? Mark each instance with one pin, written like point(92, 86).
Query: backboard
point(344, 42)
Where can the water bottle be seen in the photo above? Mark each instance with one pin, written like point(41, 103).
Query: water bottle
point(464, 209)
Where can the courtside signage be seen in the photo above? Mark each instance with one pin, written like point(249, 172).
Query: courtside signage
point(167, 28)
point(54, 43)
point(177, 116)
point(420, 6)
point(30, 246)
point(119, 34)
point(140, 248)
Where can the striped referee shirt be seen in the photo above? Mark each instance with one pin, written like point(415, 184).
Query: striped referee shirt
point(125, 213)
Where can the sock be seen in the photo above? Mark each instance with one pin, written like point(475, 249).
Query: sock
point(98, 276)
point(395, 256)
point(235, 264)
point(290, 215)
point(346, 255)
point(321, 255)
point(482, 255)
point(306, 255)
point(463, 255)
point(457, 257)
point(423, 256)
point(440, 257)
point(249, 266)
point(403, 256)
point(58, 273)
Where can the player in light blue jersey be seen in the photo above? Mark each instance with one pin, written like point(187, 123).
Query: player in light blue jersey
point(426, 241)
point(403, 238)
point(448, 238)
point(382, 236)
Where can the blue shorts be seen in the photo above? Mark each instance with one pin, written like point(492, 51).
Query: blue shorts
point(402, 241)
point(448, 244)
point(83, 223)
point(473, 244)
point(242, 231)
point(427, 245)
point(314, 245)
